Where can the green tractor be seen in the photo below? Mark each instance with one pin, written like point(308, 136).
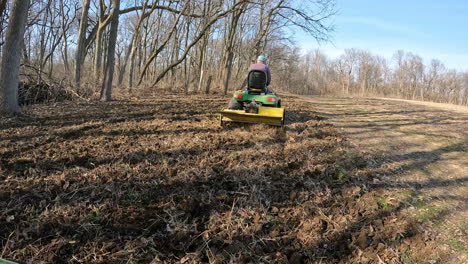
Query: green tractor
point(256, 104)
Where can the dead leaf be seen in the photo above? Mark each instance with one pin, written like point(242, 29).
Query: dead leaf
point(10, 218)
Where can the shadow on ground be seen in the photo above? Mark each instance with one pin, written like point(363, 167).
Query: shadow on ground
point(156, 181)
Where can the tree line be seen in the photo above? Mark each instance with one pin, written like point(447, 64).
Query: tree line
point(361, 73)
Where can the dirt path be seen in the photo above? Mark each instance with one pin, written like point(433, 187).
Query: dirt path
point(422, 147)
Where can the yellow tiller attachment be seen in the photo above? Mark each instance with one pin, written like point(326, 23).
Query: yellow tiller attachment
point(266, 115)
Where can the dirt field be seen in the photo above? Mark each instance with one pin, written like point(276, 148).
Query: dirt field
point(424, 146)
point(158, 181)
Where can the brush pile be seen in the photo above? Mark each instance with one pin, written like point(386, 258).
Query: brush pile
point(37, 93)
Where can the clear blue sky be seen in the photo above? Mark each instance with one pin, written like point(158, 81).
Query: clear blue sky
point(432, 29)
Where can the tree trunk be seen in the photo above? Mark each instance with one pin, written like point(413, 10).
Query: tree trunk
point(208, 84)
point(186, 70)
point(44, 36)
point(132, 65)
point(64, 36)
point(11, 60)
point(104, 21)
point(106, 91)
point(128, 55)
point(227, 71)
point(229, 48)
point(173, 57)
point(80, 50)
point(203, 46)
point(98, 53)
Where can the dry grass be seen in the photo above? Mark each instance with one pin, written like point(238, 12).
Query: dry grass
point(158, 181)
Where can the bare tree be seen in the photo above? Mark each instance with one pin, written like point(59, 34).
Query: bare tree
point(104, 20)
point(228, 52)
point(203, 45)
point(106, 91)
point(133, 42)
point(66, 22)
point(202, 32)
point(161, 47)
point(80, 50)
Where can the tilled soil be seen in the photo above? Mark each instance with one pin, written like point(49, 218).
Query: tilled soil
point(158, 181)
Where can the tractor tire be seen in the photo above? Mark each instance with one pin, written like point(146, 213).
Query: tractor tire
point(235, 105)
point(278, 105)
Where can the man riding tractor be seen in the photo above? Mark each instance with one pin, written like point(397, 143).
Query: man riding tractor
point(258, 80)
point(257, 103)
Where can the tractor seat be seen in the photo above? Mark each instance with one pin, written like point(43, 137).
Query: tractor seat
point(257, 82)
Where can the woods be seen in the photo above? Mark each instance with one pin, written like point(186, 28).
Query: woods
point(191, 46)
point(91, 46)
point(361, 73)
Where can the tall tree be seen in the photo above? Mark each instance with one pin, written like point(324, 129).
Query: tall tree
point(103, 21)
point(106, 91)
point(203, 46)
point(9, 77)
point(80, 50)
point(228, 53)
